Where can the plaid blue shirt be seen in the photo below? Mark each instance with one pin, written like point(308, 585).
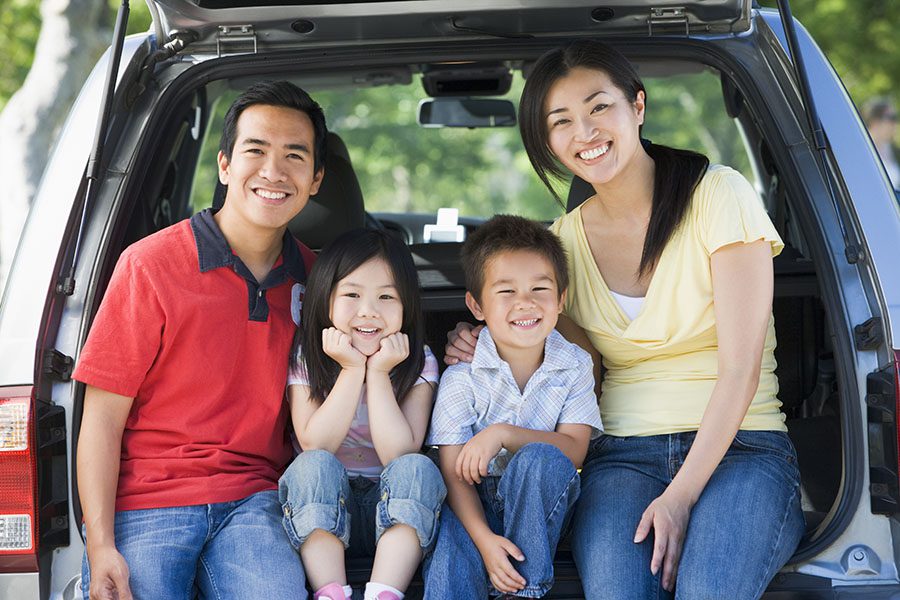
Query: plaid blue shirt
point(473, 395)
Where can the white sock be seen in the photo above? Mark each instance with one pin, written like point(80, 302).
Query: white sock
point(373, 589)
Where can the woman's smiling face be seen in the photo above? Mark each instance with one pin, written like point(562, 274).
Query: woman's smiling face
point(593, 129)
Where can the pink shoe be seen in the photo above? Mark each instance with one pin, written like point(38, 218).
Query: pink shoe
point(385, 595)
point(332, 591)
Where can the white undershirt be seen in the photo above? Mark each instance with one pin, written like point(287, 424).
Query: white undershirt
point(630, 305)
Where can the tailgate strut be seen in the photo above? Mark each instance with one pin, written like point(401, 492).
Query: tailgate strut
point(66, 283)
point(819, 141)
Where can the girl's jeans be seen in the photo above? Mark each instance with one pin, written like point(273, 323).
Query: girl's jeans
point(742, 530)
point(529, 505)
point(224, 550)
point(316, 493)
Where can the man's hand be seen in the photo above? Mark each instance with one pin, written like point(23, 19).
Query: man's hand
point(109, 575)
point(495, 552)
point(461, 343)
point(336, 344)
point(668, 516)
point(472, 462)
point(394, 350)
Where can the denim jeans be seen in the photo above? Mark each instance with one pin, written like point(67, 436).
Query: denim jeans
point(529, 504)
point(223, 551)
point(742, 530)
point(315, 493)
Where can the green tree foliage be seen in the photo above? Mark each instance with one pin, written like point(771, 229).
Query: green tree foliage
point(20, 24)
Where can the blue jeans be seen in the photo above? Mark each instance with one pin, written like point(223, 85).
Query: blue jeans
point(315, 493)
point(529, 505)
point(745, 526)
point(224, 550)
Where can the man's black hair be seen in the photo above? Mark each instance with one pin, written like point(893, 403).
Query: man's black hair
point(276, 93)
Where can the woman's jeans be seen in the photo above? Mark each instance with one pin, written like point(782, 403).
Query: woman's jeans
point(745, 526)
point(529, 505)
point(224, 550)
point(316, 493)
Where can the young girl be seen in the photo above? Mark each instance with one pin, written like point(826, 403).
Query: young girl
point(360, 394)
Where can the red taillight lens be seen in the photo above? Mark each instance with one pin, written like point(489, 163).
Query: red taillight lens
point(18, 481)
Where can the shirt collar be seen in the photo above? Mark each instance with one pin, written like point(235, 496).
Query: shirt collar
point(213, 251)
point(558, 353)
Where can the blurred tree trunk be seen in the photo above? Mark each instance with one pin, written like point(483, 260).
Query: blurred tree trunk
point(73, 34)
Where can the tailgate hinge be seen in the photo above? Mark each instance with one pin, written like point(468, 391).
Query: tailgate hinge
point(666, 17)
point(235, 39)
point(868, 335)
point(58, 365)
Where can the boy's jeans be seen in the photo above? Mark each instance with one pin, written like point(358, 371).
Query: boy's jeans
point(315, 493)
point(225, 550)
point(529, 505)
point(744, 527)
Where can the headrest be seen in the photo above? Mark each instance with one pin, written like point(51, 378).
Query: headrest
point(338, 207)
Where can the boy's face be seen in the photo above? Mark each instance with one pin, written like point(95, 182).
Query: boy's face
point(520, 300)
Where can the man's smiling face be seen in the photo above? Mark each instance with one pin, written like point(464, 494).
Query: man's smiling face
point(270, 174)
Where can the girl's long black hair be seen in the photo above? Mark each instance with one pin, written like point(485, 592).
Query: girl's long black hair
point(340, 258)
point(677, 172)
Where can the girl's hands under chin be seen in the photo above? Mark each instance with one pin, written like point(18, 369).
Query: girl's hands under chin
point(336, 344)
point(394, 350)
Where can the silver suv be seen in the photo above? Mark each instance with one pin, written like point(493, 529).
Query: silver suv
point(735, 82)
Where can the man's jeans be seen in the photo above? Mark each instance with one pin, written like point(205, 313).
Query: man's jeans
point(315, 493)
point(223, 551)
point(529, 505)
point(744, 527)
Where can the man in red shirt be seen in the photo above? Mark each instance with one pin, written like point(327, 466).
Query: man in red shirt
point(184, 431)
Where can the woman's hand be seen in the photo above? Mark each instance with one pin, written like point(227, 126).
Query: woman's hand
point(394, 350)
point(461, 343)
point(336, 344)
point(668, 516)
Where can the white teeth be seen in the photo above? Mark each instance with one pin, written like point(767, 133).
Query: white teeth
point(366, 329)
point(271, 195)
point(527, 323)
point(594, 153)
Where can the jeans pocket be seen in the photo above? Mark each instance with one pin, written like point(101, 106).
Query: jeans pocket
point(776, 443)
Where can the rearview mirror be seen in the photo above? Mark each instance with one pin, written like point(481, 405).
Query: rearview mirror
point(466, 112)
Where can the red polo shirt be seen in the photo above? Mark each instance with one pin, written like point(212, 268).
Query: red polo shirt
point(186, 330)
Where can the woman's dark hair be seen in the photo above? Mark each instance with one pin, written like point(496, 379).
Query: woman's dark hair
point(340, 258)
point(677, 172)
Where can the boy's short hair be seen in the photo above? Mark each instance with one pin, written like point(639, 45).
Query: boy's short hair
point(507, 233)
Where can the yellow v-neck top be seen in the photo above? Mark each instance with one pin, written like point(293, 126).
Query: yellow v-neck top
point(661, 367)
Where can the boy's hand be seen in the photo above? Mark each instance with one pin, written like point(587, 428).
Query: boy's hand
point(472, 462)
point(394, 350)
point(109, 575)
point(336, 344)
point(495, 552)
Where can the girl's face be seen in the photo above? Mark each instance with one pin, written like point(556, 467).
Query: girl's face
point(593, 129)
point(366, 306)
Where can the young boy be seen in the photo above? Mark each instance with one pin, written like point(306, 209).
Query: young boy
point(514, 424)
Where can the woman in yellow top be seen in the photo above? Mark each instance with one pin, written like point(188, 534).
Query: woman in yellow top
point(694, 487)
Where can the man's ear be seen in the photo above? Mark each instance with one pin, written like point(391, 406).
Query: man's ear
point(317, 181)
point(475, 309)
point(223, 162)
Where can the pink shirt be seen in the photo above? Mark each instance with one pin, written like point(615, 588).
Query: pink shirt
point(357, 452)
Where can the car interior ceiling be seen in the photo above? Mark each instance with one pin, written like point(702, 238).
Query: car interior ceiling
point(806, 370)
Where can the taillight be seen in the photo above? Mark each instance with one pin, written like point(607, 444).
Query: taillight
point(18, 481)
